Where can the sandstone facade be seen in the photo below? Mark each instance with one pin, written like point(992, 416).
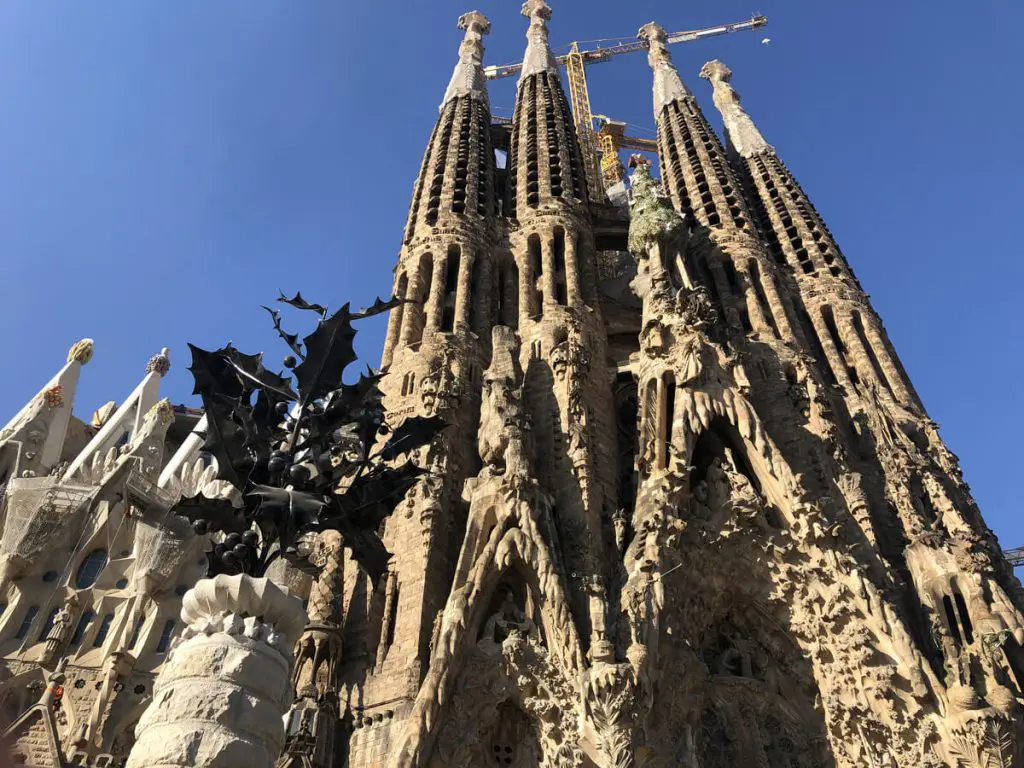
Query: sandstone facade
point(689, 510)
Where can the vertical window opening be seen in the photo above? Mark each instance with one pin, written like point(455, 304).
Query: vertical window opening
point(83, 625)
point(498, 295)
point(135, 632)
point(833, 332)
point(858, 327)
point(165, 636)
point(732, 277)
point(559, 259)
point(762, 298)
point(424, 279)
point(951, 621)
point(965, 618)
point(26, 624)
point(815, 344)
point(536, 273)
point(101, 633)
point(510, 302)
point(669, 382)
point(473, 298)
point(451, 289)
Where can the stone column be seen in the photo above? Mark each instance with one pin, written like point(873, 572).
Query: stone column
point(220, 696)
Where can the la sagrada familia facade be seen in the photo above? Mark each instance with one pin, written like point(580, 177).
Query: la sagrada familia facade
point(689, 510)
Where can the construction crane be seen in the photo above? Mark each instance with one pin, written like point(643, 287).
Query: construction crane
point(1015, 557)
point(611, 137)
point(575, 63)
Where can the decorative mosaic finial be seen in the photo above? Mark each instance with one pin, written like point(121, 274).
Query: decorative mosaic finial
point(538, 57)
point(161, 363)
point(668, 86)
point(468, 77)
point(743, 134)
point(81, 351)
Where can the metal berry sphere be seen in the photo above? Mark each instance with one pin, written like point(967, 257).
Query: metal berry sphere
point(200, 527)
point(250, 538)
point(232, 539)
point(290, 361)
point(298, 473)
point(281, 409)
point(240, 549)
point(277, 465)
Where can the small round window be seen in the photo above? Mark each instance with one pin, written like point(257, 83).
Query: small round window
point(90, 569)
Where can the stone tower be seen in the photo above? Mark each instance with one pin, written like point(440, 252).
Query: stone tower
point(688, 509)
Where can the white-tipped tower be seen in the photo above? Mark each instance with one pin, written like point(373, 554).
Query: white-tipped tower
point(39, 429)
point(468, 77)
point(668, 85)
point(743, 135)
point(538, 57)
point(129, 416)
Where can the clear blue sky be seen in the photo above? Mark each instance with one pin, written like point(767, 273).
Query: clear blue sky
point(165, 167)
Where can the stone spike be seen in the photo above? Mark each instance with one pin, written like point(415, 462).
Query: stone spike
point(744, 136)
point(50, 410)
point(468, 77)
point(668, 85)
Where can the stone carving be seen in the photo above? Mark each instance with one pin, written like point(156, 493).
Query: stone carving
point(241, 629)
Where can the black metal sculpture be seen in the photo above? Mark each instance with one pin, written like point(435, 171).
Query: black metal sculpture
point(307, 451)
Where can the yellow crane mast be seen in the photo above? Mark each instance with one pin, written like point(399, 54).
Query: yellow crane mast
point(576, 62)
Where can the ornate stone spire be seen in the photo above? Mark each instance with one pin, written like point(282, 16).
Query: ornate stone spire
point(538, 57)
point(742, 133)
point(668, 85)
point(468, 77)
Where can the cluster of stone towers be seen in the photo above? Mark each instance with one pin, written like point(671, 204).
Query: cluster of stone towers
point(688, 511)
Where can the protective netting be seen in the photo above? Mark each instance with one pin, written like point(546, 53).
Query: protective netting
point(161, 540)
point(36, 509)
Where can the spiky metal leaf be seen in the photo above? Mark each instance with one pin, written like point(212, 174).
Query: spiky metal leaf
point(300, 303)
point(379, 305)
point(291, 339)
point(329, 350)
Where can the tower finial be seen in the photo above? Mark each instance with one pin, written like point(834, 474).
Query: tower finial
point(744, 136)
point(468, 77)
point(538, 57)
point(668, 86)
point(81, 351)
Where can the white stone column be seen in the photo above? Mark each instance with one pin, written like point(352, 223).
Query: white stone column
point(219, 699)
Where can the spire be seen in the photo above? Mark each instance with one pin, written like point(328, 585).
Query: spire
point(538, 57)
point(41, 426)
point(668, 86)
point(742, 133)
point(468, 77)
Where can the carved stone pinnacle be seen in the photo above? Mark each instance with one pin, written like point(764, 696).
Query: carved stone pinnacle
point(161, 363)
point(81, 351)
point(474, 21)
point(536, 9)
point(715, 70)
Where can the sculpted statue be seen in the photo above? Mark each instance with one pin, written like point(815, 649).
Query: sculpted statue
point(60, 632)
point(508, 619)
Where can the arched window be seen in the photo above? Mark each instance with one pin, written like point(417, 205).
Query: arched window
point(536, 265)
point(451, 288)
point(559, 260)
point(101, 633)
point(26, 624)
point(83, 625)
point(90, 569)
point(165, 636)
point(135, 632)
